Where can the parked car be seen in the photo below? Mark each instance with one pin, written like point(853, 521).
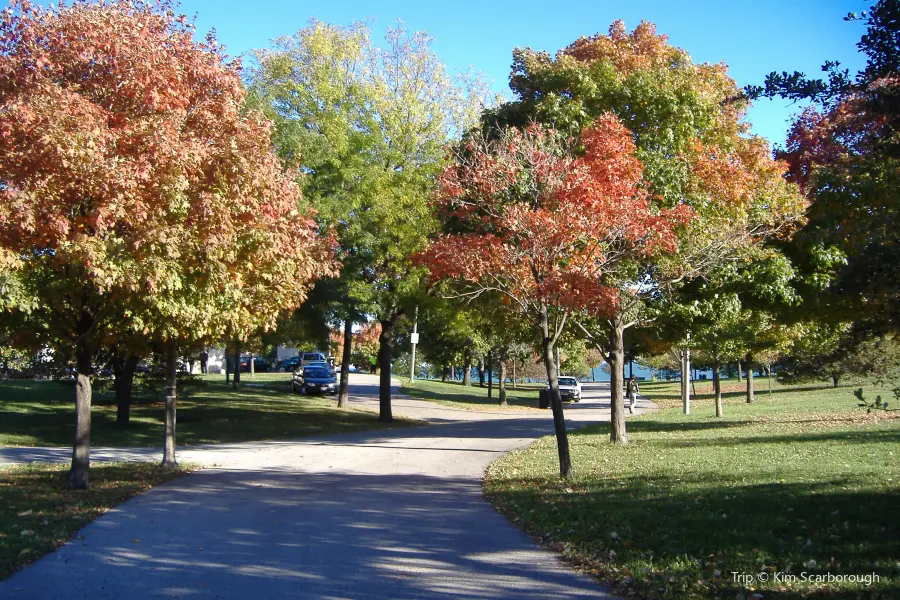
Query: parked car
point(260, 364)
point(569, 388)
point(288, 365)
point(314, 380)
point(320, 364)
point(311, 357)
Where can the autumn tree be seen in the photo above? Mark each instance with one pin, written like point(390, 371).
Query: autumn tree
point(529, 218)
point(365, 344)
point(686, 122)
point(844, 152)
point(137, 189)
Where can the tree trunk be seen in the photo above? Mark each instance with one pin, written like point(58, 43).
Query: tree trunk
point(559, 421)
point(384, 364)
point(749, 364)
point(124, 366)
point(452, 372)
point(740, 377)
point(444, 370)
point(480, 371)
point(171, 382)
point(769, 377)
point(252, 365)
point(467, 368)
point(344, 387)
point(502, 392)
point(686, 380)
point(490, 374)
point(717, 388)
point(81, 451)
point(617, 432)
point(558, 361)
point(227, 358)
point(514, 372)
point(834, 380)
point(237, 363)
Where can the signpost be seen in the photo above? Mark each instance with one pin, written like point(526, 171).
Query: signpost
point(414, 339)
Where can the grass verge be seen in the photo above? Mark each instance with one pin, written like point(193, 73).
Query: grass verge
point(455, 395)
point(37, 515)
point(799, 482)
point(41, 413)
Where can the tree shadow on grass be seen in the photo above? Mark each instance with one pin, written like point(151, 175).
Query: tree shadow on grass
point(656, 426)
point(865, 435)
point(692, 528)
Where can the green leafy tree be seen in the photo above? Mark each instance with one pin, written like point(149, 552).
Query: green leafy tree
point(368, 126)
point(844, 152)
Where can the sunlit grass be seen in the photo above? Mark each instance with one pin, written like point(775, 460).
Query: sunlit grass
point(454, 394)
point(799, 481)
point(41, 413)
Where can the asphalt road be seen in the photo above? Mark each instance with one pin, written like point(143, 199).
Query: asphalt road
point(373, 515)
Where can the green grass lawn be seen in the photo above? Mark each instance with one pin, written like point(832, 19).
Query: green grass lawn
point(454, 394)
point(801, 481)
point(42, 413)
point(37, 516)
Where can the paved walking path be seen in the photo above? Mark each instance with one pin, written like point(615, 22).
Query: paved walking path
point(371, 515)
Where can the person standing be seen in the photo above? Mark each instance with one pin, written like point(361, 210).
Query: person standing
point(204, 358)
point(632, 391)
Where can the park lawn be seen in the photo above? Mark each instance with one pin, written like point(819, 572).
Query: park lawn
point(42, 413)
point(800, 481)
point(37, 515)
point(455, 395)
point(809, 398)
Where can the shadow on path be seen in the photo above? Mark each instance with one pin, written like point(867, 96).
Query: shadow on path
point(277, 534)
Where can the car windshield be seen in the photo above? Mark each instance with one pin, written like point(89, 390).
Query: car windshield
point(568, 381)
point(316, 373)
point(312, 356)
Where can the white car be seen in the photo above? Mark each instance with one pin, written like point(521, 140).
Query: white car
point(569, 388)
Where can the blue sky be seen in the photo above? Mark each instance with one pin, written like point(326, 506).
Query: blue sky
point(753, 37)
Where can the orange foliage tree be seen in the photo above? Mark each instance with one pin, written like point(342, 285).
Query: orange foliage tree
point(137, 189)
point(540, 223)
point(687, 123)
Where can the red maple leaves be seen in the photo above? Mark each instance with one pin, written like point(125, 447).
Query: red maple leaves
point(534, 218)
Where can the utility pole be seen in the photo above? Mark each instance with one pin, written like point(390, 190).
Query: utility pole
point(414, 339)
